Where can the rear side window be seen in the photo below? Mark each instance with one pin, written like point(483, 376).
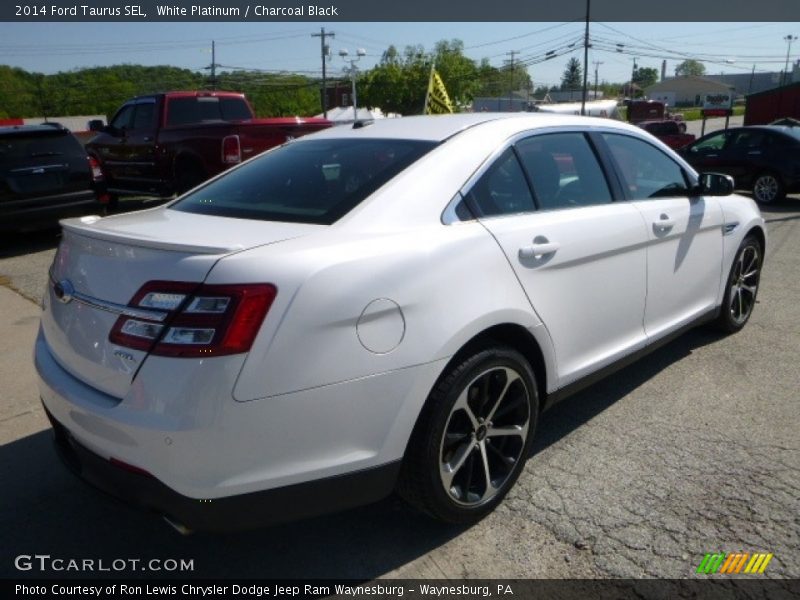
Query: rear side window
point(647, 172)
point(308, 181)
point(563, 170)
point(34, 147)
point(502, 189)
point(197, 109)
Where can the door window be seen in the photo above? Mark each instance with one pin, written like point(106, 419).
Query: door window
point(144, 117)
point(647, 172)
point(563, 171)
point(713, 143)
point(122, 120)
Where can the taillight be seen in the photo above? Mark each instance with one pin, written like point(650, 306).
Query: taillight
point(231, 150)
point(192, 320)
point(97, 172)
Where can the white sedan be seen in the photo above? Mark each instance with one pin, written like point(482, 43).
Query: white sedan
point(387, 306)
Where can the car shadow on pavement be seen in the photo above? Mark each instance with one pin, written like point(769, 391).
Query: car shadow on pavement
point(44, 509)
point(28, 242)
point(573, 412)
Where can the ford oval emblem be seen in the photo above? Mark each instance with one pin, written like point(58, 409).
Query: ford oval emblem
point(64, 291)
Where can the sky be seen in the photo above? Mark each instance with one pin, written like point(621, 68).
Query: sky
point(722, 47)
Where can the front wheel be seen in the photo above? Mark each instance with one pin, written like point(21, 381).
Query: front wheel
point(768, 188)
point(473, 437)
point(742, 286)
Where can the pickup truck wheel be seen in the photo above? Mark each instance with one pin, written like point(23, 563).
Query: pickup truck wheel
point(768, 188)
point(110, 207)
point(188, 175)
point(472, 438)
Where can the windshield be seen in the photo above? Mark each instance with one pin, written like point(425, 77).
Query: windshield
point(308, 181)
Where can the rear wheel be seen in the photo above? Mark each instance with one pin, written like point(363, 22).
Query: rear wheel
point(742, 286)
point(768, 188)
point(472, 438)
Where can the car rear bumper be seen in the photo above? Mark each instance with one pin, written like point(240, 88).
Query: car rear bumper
point(232, 513)
point(207, 457)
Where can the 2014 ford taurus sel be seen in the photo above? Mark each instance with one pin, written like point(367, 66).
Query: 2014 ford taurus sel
point(387, 306)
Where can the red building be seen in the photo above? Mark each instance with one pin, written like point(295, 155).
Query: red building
point(767, 106)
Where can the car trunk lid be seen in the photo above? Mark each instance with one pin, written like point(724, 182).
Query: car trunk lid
point(102, 263)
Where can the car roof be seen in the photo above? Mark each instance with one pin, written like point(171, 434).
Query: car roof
point(44, 129)
point(437, 128)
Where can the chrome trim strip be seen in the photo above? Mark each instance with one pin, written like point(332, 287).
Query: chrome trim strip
point(449, 215)
point(37, 167)
point(117, 309)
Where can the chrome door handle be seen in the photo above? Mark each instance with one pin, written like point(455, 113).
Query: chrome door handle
point(538, 250)
point(664, 223)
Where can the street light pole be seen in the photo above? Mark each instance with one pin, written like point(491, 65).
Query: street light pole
point(596, 64)
point(789, 38)
point(353, 71)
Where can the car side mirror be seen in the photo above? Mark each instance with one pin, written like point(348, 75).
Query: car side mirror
point(96, 125)
point(715, 184)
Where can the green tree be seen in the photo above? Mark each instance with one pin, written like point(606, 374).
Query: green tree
point(690, 68)
point(572, 78)
point(645, 76)
point(398, 83)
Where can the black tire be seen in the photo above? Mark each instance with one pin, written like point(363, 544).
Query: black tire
point(112, 206)
point(188, 174)
point(488, 441)
point(768, 188)
point(741, 287)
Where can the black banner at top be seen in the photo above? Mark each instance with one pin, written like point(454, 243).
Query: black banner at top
point(398, 11)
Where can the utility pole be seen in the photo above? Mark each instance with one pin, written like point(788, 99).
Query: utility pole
point(323, 49)
point(633, 76)
point(585, 59)
point(510, 62)
point(596, 64)
point(213, 66)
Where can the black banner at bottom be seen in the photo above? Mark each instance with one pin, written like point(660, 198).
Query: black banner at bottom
point(710, 588)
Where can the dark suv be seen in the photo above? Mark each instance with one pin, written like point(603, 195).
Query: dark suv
point(45, 174)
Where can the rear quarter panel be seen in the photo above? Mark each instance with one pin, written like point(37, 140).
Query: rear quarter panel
point(448, 282)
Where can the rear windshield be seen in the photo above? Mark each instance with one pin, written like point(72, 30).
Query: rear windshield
point(307, 181)
point(38, 145)
point(196, 109)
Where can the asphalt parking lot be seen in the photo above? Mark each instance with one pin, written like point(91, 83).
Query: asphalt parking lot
point(694, 449)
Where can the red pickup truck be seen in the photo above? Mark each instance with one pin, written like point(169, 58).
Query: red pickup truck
point(668, 132)
point(167, 143)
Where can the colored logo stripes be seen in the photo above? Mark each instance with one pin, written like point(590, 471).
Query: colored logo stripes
point(734, 563)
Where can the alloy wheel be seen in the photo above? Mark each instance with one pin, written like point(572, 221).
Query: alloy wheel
point(744, 284)
point(766, 188)
point(485, 436)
